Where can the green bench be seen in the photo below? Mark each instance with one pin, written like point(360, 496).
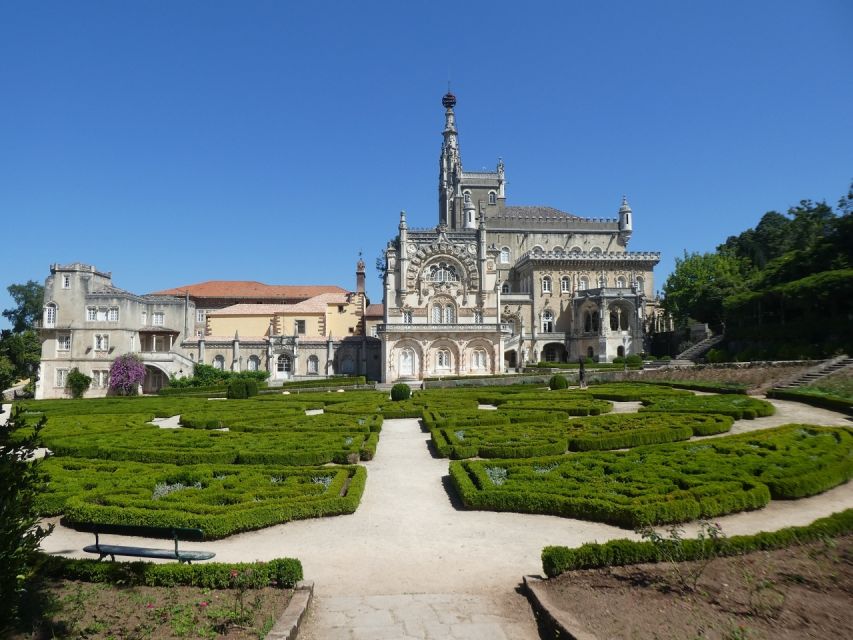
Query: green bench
point(176, 533)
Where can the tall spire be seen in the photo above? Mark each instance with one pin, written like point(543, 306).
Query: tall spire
point(450, 163)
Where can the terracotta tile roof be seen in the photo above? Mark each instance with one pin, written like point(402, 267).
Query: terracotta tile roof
point(375, 310)
point(316, 304)
point(249, 289)
point(247, 309)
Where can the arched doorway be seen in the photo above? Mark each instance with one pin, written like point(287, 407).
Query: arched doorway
point(510, 359)
point(154, 380)
point(555, 352)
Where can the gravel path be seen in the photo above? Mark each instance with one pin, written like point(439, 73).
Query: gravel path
point(410, 564)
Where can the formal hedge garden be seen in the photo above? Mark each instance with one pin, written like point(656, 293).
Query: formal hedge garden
point(236, 465)
point(666, 483)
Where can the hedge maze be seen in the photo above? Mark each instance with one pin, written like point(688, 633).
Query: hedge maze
point(664, 483)
point(233, 466)
point(236, 465)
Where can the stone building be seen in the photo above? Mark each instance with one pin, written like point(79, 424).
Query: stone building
point(495, 286)
point(291, 331)
point(322, 335)
point(88, 322)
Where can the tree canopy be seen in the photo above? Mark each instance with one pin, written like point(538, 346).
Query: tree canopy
point(29, 298)
point(765, 283)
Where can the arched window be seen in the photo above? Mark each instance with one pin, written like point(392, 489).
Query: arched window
point(595, 250)
point(620, 351)
point(576, 249)
point(253, 363)
point(590, 352)
point(284, 364)
point(546, 284)
point(504, 255)
point(641, 284)
point(437, 314)
point(449, 314)
point(493, 197)
point(547, 321)
point(442, 272)
point(442, 359)
point(219, 363)
point(478, 316)
point(50, 315)
point(407, 316)
point(467, 197)
point(565, 284)
point(407, 363)
point(313, 365)
point(505, 287)
point(558, 250)
point(478, 360)
point(583, 283)
point(621, 282)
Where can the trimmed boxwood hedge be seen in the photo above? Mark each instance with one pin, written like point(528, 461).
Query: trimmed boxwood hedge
point(558, 559)
point(737, 406)
point(501, 439)
point(218, 499)
point(282, 573)
point(816, 399)
point(664, 483)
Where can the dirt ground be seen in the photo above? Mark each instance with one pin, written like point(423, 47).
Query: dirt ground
point(757, 379)
point(99, 611)
point(800, 592)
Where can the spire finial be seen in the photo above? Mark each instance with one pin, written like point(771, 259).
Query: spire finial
point(624, 206)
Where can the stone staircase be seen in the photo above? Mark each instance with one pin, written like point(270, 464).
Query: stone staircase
point(699, 349)
point(816, 373)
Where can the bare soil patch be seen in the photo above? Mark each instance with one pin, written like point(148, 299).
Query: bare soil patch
point(799, 592)
point(757, 379)
point(102, 611)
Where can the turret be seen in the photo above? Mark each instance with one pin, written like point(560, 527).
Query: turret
point(403, 259)
point(359, 275)
point(625, 221)
point(450, 163)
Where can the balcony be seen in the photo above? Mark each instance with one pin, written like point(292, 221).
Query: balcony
point(445, 328)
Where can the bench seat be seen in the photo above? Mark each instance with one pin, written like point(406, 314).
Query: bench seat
point(113, 550)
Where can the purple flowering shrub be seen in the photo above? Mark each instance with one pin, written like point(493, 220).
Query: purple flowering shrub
point(126, 374)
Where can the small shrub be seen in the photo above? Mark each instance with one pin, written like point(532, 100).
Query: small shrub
point(634, 360)
point(400, 391)
point(240, 388)
point(558, 382)
point(78, 383)
point(619, 360)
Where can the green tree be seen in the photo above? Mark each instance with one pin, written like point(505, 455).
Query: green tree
point(7, 373)
point(699, 284)
point(29, 298)
point(21, 479)
point(23, 350)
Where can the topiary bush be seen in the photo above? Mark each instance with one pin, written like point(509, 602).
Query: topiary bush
point(400, 391)
point(78, 383)
point(558, 382)
point(634, 360)
point(236, 389)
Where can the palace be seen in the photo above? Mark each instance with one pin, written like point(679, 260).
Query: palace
point(494, 287)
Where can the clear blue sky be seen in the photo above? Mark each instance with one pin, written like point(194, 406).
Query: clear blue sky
point(176, 142)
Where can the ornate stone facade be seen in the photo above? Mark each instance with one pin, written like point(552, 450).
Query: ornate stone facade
point(494, 286)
